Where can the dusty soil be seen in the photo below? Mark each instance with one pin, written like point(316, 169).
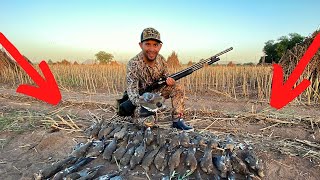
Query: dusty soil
point(281, 138)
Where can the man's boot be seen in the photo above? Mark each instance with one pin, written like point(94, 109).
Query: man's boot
point(180, 124)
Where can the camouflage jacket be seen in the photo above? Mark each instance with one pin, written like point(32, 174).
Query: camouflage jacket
point(140, 75)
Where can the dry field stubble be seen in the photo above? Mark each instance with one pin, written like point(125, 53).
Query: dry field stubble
point(236, 82)
point(233, 81)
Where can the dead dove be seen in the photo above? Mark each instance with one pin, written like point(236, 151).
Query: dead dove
point(81, 151)
point(87, 173)
point(148, 136)
point(206, 160)
point(161, 140)
point(137, 139)
point(107, 153)
point(216, 177)
point(116, 178)
point(191, 161)
point(119, 135)
point(81, 162)
point(184, 139)
point(54, 168)
point(120, 151)
point(238, 165)
point(91, 173)
point(220, 162)
point(161, 159)
point(147, 160)
point(114, 131)
point(127, 156)
point(175, 142)
point(95, 129)
point(174, 160)
point(198, 175)
point(229, 144)
point(108, 176)
point(138, 155)
point(231, 175)
point(76, 175)
point(214, 143)
point(95, 149)
point(253, 162)
point(105, 130)
point(200, 141)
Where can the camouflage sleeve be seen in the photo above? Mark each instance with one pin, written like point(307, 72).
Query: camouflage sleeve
point(165, 67)
point(132, 83)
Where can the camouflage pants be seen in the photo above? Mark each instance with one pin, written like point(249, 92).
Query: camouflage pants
point(176, 93)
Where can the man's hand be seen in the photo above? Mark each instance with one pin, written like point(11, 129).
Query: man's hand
point(170, 81)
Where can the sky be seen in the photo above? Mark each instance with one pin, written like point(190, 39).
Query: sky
point(77, 29)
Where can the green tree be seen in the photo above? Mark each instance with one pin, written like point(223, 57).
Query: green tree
point(274, 49)
point(282, 46)
point(104, 57)
point(295, 38)
point(270, 51)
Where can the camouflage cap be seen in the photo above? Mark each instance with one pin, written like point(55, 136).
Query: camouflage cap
point(150, 33)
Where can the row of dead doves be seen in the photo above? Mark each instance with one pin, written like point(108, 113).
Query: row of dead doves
point(129, 146)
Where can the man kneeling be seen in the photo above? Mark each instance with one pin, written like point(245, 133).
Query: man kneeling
point(149, 66)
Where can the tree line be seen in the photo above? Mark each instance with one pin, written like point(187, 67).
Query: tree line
point(274, 50)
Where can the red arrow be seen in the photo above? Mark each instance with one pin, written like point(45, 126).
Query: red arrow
point(283, 93)
point(47, 89)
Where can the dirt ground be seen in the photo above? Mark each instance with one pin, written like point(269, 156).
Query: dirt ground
point(287, 140)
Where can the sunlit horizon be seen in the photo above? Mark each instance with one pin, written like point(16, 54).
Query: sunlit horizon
point(77, 30)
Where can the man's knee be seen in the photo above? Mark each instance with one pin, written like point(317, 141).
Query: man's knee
point(172, 91)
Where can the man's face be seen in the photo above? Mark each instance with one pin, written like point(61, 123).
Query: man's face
point(150, 49)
